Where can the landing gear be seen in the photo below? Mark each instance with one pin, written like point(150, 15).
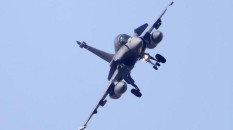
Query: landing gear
point(136, 92)
point(160, 58)
point(155, 67)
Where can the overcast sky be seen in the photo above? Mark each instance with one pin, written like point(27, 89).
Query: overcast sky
point(48, 83)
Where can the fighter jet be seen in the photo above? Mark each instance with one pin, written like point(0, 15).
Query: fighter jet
point(128, 50)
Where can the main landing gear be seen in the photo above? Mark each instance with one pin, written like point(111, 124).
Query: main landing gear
point(136, 90)
point(158, 60)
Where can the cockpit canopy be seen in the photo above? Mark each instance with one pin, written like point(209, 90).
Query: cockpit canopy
point(120, 40)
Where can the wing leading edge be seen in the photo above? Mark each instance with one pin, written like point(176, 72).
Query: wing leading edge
point(104, 55)
point(118, 73)
point(101, 102)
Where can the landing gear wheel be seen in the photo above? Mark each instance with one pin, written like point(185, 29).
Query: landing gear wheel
point(156, 68)
point(136, 92)
point(160, 58)
point(157, 64)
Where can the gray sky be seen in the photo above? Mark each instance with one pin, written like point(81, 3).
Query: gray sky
point(48, 83)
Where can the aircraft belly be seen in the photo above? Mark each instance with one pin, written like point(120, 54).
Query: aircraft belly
point(128, 52)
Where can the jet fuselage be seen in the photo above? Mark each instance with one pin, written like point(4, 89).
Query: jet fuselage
point(130, 51)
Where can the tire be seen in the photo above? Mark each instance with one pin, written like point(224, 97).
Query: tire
point(160, 58)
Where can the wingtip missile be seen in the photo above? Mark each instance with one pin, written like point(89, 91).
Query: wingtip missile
point(81, 44)
point(158, 22)
point(82, 127)
point(171, 3)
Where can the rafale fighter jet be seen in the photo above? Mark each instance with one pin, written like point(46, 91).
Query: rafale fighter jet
point(128, 50)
